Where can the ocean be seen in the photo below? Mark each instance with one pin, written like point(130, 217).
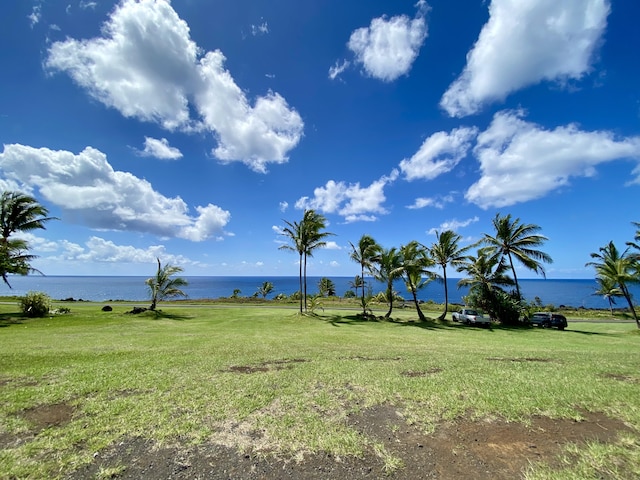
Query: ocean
point(574, 293)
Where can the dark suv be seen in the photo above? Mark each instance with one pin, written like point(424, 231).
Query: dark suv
point(548, 320)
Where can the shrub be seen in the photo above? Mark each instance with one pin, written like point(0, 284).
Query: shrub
point(35, 304)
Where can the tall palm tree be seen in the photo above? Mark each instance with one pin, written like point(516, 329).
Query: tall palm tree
point(305, 237)
point(18, 213)
point(515, 240)
point(620, 268)
point(415, 261)
point(364, 254)
point(608, 288)
point(445, 251)
point(387, 267)
point(314, 237)
point(163, 285)
point(293, 231)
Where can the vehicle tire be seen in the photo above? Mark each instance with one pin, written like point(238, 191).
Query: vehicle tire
point(546, 325)
point(560, 328)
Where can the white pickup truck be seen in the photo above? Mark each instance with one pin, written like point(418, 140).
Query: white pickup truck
point(469, 316)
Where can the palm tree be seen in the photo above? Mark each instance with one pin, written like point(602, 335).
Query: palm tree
point(313, 225)
point(364, 254)
point(305, 236)
point(18, 213)
point(356, 283)
point(294, 233)
point(326, 287)
point(485, 273)
point(163, 286)
point(515, 239)
point(608, 288)
point(265, 289)
point(387, 268)
point(620, 268)
point(415, 261)
point(446, 251)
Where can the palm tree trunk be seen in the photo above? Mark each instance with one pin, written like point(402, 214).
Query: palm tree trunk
point(305, 282)
point(364, 310)
point(446, 293)
point(300, 283)
point(627, 297)
point(415, 300)
point(515, 278)
point(390, 297)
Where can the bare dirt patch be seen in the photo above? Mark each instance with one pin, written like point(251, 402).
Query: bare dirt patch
point(265, 366)
point(622, 378)
point(461, 449)
point(520, 360)
point(45, 416)
point(422, 373)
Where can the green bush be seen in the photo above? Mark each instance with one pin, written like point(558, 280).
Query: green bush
point(35, 304)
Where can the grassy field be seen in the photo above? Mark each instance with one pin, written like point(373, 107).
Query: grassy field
point(195, 373)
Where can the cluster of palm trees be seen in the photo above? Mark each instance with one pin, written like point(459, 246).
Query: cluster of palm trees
point(305, 237)
point(487, 271)
point(616, 270)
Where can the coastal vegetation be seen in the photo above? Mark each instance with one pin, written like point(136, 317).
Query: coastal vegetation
point(19, 213)
point(616, 270)
point(165, 285)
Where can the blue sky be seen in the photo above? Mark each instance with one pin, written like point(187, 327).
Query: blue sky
point(190, 130)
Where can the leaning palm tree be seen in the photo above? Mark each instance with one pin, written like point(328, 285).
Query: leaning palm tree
point(445, 251)
point(163, 285)
point(514, 239)
point(620, 268)
point(18, 213)
point(608, 288)
point(364, 254)
point(415, 261)
point(387, 267)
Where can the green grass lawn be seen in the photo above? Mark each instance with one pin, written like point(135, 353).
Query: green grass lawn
point(194, 373)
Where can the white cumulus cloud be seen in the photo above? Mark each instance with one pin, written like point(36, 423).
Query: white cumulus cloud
point(160, 148)
point(146, 66)
point(439, 154)
point(351, 201)
point(388, 47)
point(523, 43)
point(522, 161)
point(91, 192)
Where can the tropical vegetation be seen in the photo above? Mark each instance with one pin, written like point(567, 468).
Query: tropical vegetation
point(164, 285)
point(617, 269)
point(19, 213)
point(305, 237)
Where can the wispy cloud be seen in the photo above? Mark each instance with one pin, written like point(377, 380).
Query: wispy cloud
point(454, 225)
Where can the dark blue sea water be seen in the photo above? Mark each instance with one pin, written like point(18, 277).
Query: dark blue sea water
point(576, 293)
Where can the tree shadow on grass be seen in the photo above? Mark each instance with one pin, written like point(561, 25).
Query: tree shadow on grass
point(7, 319)
point(162, 315)
point(357, 319)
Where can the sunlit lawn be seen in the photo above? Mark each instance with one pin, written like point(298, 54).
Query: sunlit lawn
point(196, 374)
